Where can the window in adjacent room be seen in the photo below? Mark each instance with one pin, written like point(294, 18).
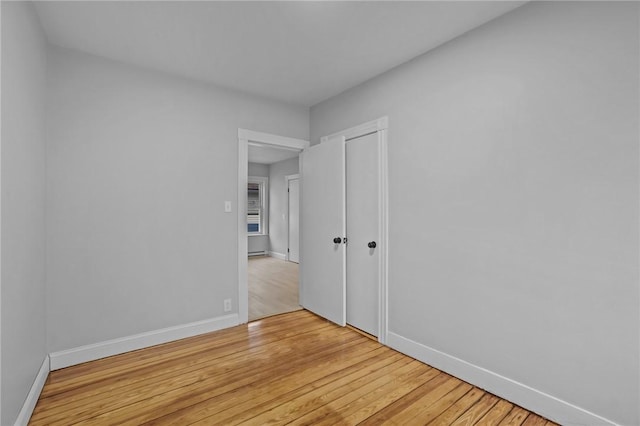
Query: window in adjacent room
point(257, 207)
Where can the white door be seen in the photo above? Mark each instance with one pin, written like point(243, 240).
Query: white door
point(294, 222)
point(322, 218)
point(363, 232)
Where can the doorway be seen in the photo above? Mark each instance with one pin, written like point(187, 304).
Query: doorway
point(268, 281)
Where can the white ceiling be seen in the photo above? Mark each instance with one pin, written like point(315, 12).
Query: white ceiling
point(298, 52)
point(267, 155)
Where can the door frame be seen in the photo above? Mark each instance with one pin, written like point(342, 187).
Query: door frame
point(288, 179)
point(381, 127)
point(267, 139)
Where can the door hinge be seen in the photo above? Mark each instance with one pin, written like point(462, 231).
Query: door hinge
point(287, 250)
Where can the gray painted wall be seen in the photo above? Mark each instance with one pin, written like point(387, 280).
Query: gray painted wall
point(513, 186)
point(23, 212)
point(278, 203)
point(258, 242)
point(139, 164)
point(261, 170)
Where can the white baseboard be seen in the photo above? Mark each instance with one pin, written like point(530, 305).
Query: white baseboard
point(95, 351)
point(534, 400)
point(278, 255)
point(34, 393)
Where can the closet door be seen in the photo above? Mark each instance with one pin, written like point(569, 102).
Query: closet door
point(362, 201)
point(322, 222)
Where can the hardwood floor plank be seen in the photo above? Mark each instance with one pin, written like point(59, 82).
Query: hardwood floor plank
point(497, 413)
point(294, 369)
point(250, 407)
point(273, 286)
point(213, 371)
point(534, 420)
point(418, 411)
point(127, 363)
point(477, 411)
point(370, 403)
point(459, 407)
point(426, 414)
point(515, 418)
point(149, 404)
point(324, 393)
point(275, 324)
point(391, 411)
point(180, 361)
point(282, 413)
point(227, 395)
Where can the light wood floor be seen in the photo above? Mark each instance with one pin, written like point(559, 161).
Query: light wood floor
point(273, 287)
point(294, 369)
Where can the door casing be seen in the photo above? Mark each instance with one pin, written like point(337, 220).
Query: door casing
point(288, 179)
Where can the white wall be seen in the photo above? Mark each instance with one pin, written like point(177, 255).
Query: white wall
point(138, 168)
point(279, 203)
point(513, 186)
point(23, 212)
point(258, 243)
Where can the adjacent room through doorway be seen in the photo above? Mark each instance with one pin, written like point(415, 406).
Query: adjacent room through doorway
point(273, 287)
point(272, 230)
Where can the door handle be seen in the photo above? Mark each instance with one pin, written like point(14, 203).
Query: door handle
point(372, 244)
point(337, 240)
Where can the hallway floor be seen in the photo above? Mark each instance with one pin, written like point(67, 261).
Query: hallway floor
point(273, 287)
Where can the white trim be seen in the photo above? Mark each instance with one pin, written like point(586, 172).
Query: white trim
point(383, 212)
point(243, 241)
point(107, 348)
point(381, 123)
point(300, 253)
point(380, 126)
point(548, 406)
point(34, 393)
point(244, 137)
point(288, 179)
point(1, 223)
point(278, 255)
point(274, 140)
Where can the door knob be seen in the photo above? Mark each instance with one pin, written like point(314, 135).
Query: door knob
point(337, 240)
point(372, 244)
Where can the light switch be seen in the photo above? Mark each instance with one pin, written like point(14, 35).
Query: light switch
point(227, 206)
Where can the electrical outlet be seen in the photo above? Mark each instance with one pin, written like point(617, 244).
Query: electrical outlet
point(227, 206)
point(227, 305)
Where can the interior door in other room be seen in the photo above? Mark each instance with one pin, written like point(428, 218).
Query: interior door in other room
point(294, 222)
point(322, 221)
point(362, 204)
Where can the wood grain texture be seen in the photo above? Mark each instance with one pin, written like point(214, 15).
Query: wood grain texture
point(273, 287)
point(294, 368)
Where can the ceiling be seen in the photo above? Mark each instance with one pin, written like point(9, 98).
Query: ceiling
point(297, 52)
point(269, 155)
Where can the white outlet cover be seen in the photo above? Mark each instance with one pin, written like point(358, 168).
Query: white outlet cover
point(227, 206)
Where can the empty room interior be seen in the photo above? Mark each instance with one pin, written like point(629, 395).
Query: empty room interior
point(314, 212)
